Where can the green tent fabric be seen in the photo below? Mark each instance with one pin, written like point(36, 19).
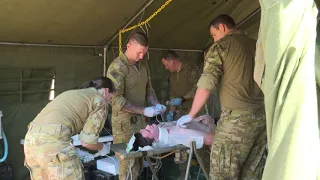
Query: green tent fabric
point(287, 43)
point(72, 67)
point(182, 24)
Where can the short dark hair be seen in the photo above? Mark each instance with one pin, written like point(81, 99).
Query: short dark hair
point(223, 19)
point(141, 141)
point(170, 55)
point(98, 83)
point(140, 38)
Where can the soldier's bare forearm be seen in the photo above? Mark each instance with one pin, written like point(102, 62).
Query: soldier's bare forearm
point(132, 108)
point(152, 98)
point(199, 100)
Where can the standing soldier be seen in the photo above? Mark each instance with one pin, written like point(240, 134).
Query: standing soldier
point(240, 137)
point(183, 83)
point(131, 77)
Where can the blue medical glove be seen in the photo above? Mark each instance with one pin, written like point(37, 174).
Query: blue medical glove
point(170, 116)
point(161, 107)
point(175, 102)
point(151, 111)
point(183, 120)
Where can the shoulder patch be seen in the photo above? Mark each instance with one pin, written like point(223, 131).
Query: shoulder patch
point(117, 64)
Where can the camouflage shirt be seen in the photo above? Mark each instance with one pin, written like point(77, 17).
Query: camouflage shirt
point(230, 63)
point(83, 111)
point(133, 85)
point(184, 82)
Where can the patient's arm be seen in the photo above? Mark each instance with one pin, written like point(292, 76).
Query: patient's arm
point(208, 133)
point(203, 123)
point(208, 139)
point(199, 127)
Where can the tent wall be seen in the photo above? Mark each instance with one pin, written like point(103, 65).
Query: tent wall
point(72, 67)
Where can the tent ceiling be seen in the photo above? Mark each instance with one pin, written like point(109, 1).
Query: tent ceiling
point(183, 24)
point(81, 22)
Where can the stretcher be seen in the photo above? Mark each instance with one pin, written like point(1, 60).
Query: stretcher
point(121, 149)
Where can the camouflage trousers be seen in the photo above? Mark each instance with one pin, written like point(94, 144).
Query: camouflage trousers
point(239, 145)
point(123, 127)
point(49, 155)
point(130, 168)
point(205, 157)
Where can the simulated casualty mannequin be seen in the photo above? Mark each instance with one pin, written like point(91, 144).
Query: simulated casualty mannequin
point(183, 84)
point(240, 137)
point(286, 58)
point(47, 148)
point(131, 76)
point(201, 130)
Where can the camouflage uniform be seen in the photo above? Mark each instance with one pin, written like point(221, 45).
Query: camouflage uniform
point(240, 136)
point(133, 89)
point(47, 148)
point(184, 83)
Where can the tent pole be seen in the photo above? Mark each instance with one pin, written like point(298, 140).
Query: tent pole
point(248, 17)
point(185, 50)
point(161, 49)
point(130, 21)
point(105, 61)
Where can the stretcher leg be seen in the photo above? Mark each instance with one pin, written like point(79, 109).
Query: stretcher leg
point(154, 174)
point(199, 160)
point(189, 162)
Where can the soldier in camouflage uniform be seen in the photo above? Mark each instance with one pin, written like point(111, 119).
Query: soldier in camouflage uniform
point(47, 146)
point(183, 83)
point(240, 138)
point(131, 76)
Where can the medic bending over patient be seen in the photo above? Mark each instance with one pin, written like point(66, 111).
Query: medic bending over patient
point(47, 149)
point(200, 130)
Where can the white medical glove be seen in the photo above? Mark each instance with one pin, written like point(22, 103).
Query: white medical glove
point(88, 158)
point(81, 153)
point(161, 107)
point(183, 120)
point(151, 111)
point(105, 150)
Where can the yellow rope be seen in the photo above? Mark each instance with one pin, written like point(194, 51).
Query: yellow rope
point(140, 24)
